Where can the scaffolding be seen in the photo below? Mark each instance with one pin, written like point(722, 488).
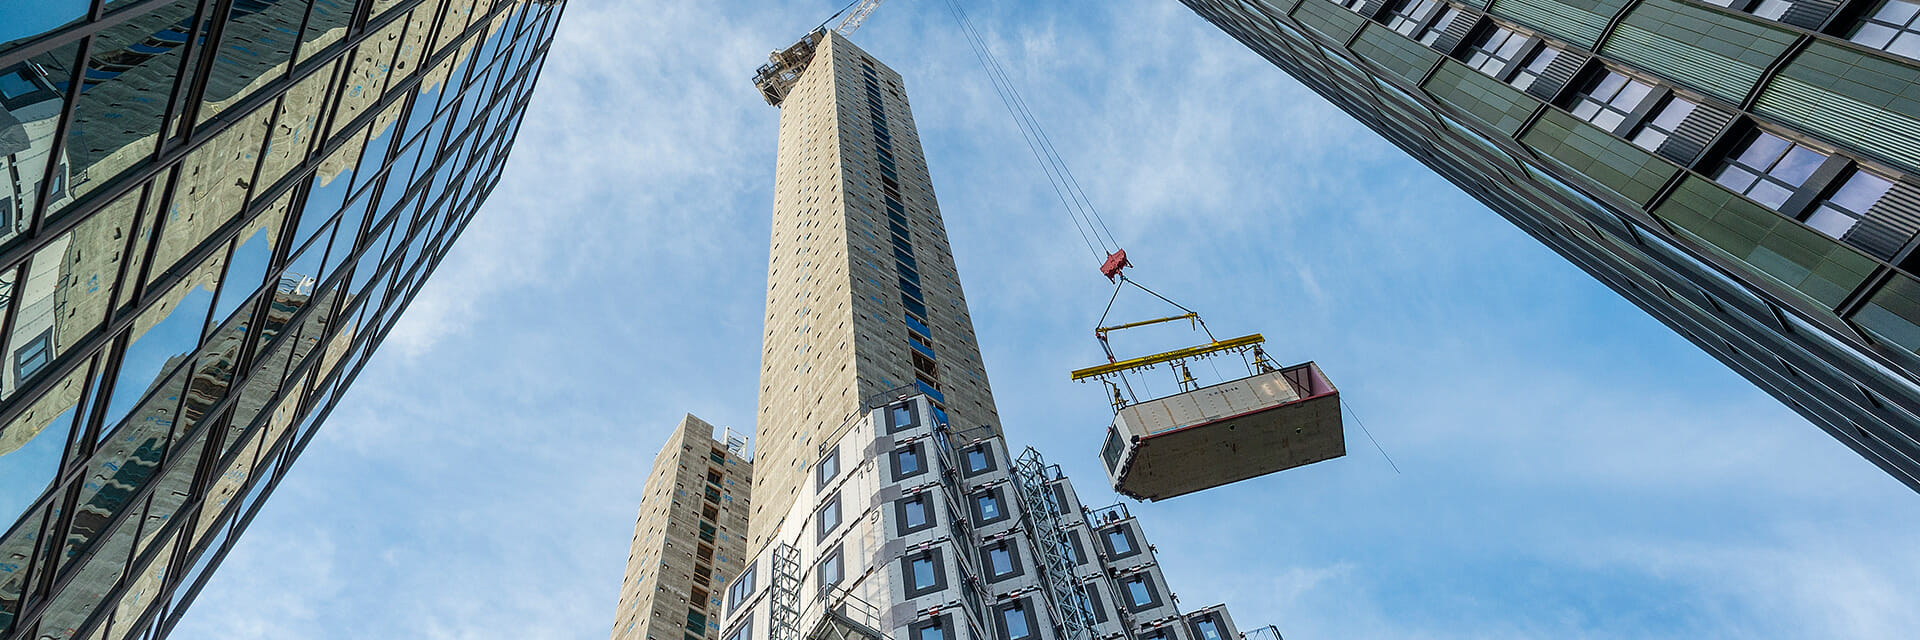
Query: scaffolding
point(1068, 603)
point(784, 596)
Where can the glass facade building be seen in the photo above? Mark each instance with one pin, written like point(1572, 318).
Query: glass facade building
point(211, 212)
point(1747, 171)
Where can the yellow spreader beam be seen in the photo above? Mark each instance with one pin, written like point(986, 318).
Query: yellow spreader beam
point(1103, 330)
point(1178, 354)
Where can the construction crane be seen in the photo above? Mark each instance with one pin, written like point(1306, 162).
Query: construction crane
point(783, 67)
point(1272, 419)
point(858, 16)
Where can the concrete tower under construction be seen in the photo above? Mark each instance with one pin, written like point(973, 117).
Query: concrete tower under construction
point(860, 280)
point(886, 503)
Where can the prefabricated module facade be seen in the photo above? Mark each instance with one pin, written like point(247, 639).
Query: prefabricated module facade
point(886, 503)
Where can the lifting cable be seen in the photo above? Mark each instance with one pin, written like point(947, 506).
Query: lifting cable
point(1086, 219)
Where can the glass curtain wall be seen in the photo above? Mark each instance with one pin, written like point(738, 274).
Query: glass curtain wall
point(211, 211)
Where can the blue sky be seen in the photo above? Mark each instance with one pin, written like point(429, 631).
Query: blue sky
point(1569, 467)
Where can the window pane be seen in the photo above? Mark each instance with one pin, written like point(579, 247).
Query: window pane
point(1631, 95)
point(326, 23)
point(1137, 592)
point(211, 189)
point(1016, 618)
point(916, 511)
point(32, 96)
point(29, 19)
point(129, 74)
point(1798, 165)
point(1735, 178)
point(1896, 12)
point(1762, 150)
point(923, 576)
point(1770, 193)
point(1831, 221)
point(1672, 113)
point(255, 49)
point(34, 444)
point(1861, 191)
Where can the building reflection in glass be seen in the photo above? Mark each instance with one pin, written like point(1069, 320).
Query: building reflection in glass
point(206, 263)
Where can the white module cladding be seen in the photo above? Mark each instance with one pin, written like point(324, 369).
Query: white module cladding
point(912, 531)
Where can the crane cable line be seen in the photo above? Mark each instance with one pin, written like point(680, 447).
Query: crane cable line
point(1086, 219)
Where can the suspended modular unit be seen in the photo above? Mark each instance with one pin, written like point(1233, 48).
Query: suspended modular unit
point(1224, 433)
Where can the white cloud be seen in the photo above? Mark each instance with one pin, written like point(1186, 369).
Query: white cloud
point(1571, 468)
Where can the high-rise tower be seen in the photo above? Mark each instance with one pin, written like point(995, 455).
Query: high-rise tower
point(211, 214)
point(689, 539)
point(886, 504)
point(1747, 171)
point(862, 295)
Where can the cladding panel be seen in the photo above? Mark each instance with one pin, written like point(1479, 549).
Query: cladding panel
point(1717, 54)
point(1578, 22)
point(1855, 99)
point(1767, 244)
point(1331, 20)
point(1389, 50)
point(1610, 162)
point(1490, 101)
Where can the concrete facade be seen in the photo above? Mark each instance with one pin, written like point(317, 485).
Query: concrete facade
point(862, 294)
point(688, 539)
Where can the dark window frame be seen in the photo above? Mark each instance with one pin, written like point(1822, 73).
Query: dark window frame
point(1000, 504)
point(1738, 159)
point(919, 452)
point(1497, 46)
point(895, 411)
point(942, 623)
point(937, 560)
point(1026, 607)
point(1661, 123)
point(966, 459)
point(836, 560)
point(1598, 101)
point(1015, 569)
point(1211, 617)
point(831, 504)
point(925, 499)
point(1905, 31)
point(1126, 532)
point(1145, 579)
point(829, 461)
point(1092, 589)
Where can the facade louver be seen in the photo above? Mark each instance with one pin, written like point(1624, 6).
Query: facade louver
point(1745, 171)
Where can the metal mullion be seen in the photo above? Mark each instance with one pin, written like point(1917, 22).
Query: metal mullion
point(75, 85)
point(200, 61)
point(171, 151)
point(169, 134)
point(53, 535)
point(169, 456)
point(39, 552)
point(125, 319)
point(54, 39)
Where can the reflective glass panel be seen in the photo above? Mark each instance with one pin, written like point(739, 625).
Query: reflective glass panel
point(326, 23)
point(211, 189)
point(256, 46)
point(128, 78)
point(32, 96)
